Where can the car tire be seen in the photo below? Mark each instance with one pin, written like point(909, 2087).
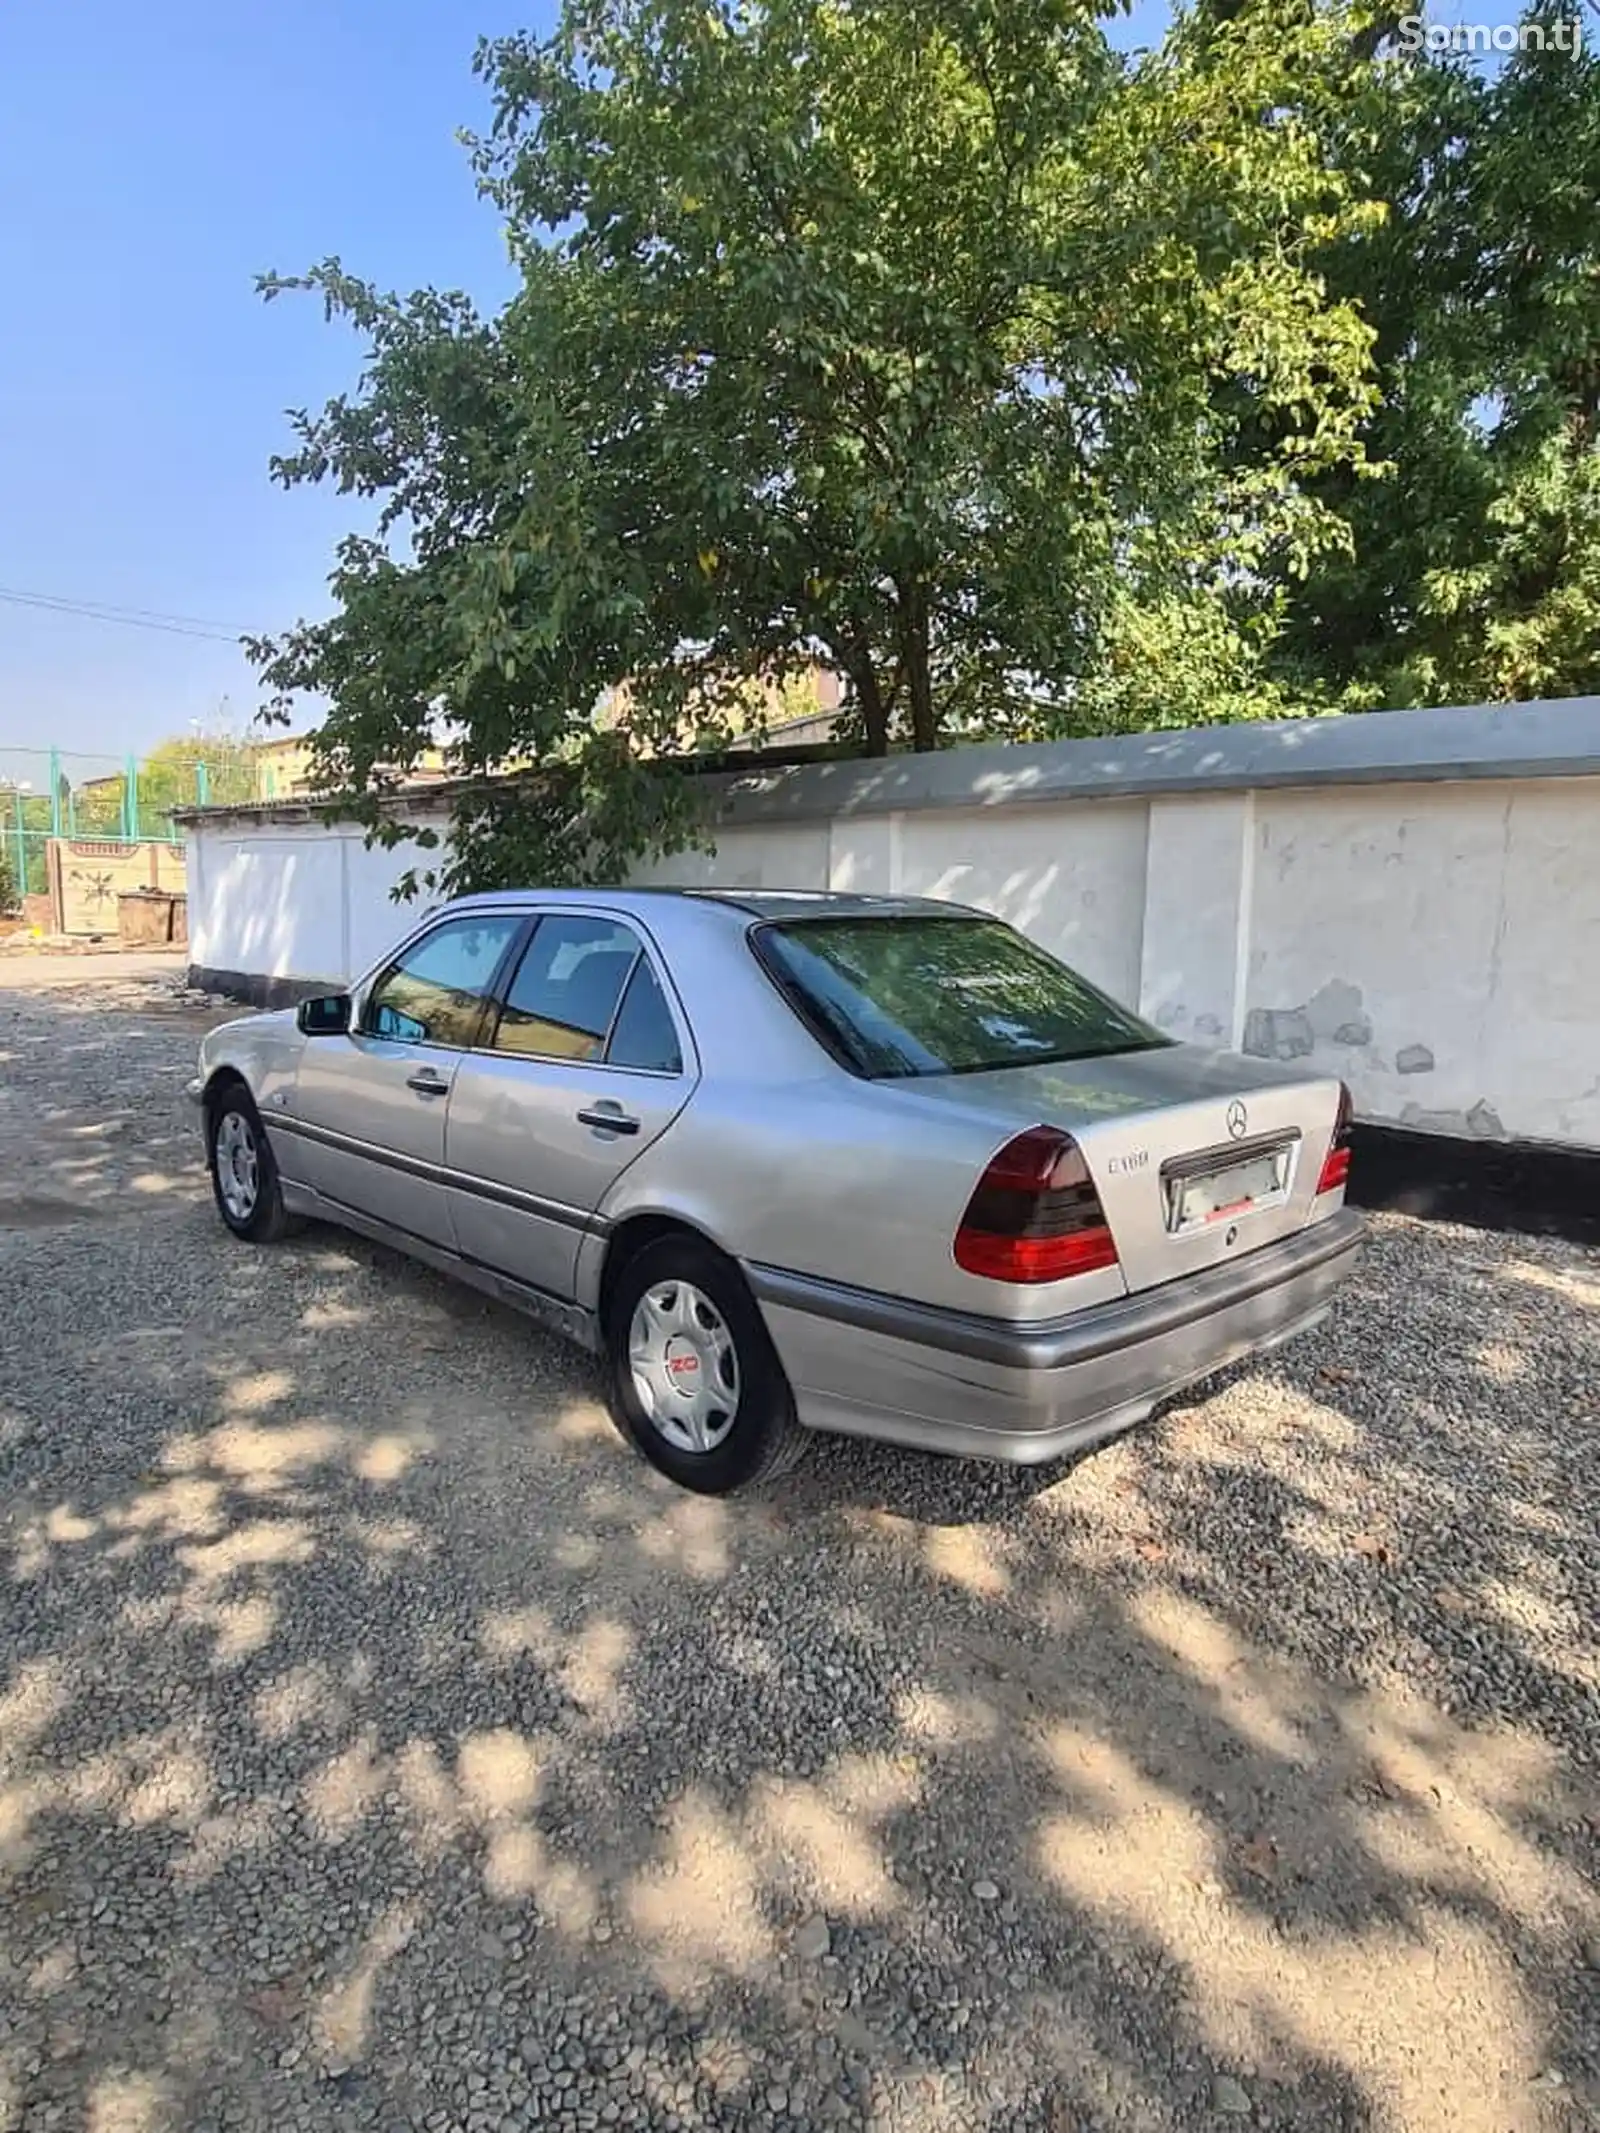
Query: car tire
point(244, 1177)
point(726, 1360)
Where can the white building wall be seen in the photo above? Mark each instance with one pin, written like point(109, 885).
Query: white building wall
point(1199, 885)
point(772, 857)
point(1072, 876)
point(1439, 947)
point(293, 902)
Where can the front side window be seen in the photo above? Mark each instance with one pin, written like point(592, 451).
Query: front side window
point(567, 988)
point(909, 995)
point(434, 992)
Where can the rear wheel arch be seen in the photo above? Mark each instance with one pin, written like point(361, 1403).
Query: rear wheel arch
point(629, 1239)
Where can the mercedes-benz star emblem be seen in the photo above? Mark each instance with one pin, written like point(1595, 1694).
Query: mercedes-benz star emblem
point(1238, 1120)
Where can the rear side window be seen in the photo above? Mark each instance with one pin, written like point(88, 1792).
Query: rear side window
point(644, 1034)
point(908, 995)
point(561, 1003)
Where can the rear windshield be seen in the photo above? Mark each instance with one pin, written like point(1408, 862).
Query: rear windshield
point(909, 995)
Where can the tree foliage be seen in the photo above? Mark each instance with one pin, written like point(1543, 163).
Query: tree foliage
point(218, 767)
point(1473, 571)
point(934, 338)
point(181, 771)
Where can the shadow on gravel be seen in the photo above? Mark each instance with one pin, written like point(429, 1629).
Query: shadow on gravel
point(381, 1743)
point(91, 1100)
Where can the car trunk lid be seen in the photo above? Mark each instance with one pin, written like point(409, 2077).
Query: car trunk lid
point(1196, 1156)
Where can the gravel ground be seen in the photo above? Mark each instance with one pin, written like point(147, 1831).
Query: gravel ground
point(383, 1745)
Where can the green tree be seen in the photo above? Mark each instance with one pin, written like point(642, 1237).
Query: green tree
point(98, 807)
point(917, 335)
point(24, 857)
point(180, 772)
point(1472, 572)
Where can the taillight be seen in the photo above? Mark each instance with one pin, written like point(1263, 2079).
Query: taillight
point(1035, 1215)
point(1336, 1163)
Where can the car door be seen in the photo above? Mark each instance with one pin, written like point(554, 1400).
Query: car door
point(366, 1116)
point(588, 1061)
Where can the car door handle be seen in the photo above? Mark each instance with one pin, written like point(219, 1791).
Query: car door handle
point(427, 1081)
point(610, 1118)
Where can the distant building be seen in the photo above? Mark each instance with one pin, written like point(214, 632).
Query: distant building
point(283, 767)
point(792, 722)
point(801, 707)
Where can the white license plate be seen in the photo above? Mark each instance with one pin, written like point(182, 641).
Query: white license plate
point(1233, 1191)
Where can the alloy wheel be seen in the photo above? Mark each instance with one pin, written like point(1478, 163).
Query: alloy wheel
point(238, 1166)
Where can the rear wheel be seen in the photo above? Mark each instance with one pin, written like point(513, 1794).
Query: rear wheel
point(694, 1378)
point(244, 1178)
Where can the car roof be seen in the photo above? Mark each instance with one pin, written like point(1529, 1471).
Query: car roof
point(753, 903)
point(820, 903)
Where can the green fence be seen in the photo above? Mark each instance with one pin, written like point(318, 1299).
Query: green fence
point(119, 800)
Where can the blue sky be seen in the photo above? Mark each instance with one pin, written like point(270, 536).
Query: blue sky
point(152, 160)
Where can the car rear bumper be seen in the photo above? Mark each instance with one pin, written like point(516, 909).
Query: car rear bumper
point(951, 1381)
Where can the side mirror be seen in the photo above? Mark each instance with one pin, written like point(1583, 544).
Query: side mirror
point(326, 1016)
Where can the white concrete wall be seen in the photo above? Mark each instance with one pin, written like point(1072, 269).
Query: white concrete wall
point(293, 900)
point(1434, 939)
point(1441, 944)
point(1071, 876)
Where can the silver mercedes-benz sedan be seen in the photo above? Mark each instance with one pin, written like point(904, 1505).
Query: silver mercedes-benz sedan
point(794, 1163)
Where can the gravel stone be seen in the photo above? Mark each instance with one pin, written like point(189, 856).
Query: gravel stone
point(382, 1744)
point(1230, 2097)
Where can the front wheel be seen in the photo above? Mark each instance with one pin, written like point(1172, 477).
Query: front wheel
point(244, 1177)
point(694, 1378)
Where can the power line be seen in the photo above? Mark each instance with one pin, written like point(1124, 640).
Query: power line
point(139, 618)
point(129, 617)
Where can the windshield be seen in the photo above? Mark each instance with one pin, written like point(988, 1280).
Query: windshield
point(911, 994)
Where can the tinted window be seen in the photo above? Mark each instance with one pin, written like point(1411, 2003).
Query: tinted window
point(644, 1035)
point(914, 995)
point(565, 993)
point(434, 992)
